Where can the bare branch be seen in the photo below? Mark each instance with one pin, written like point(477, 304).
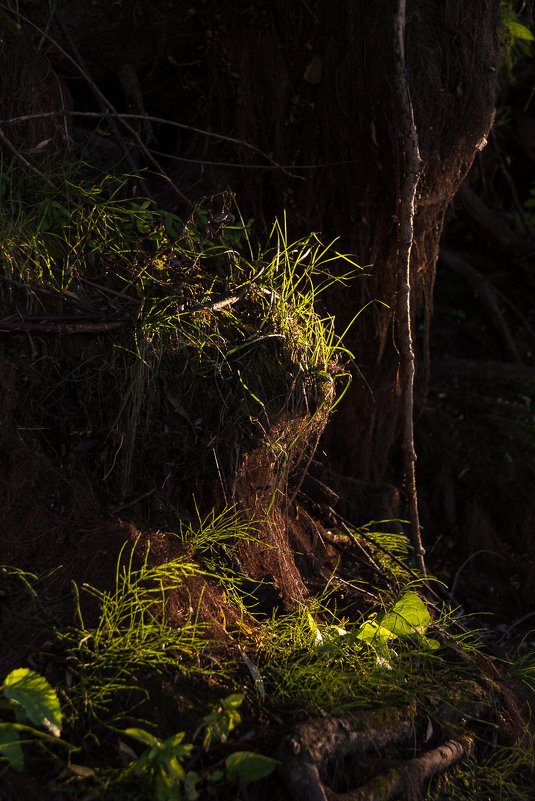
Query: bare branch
point(114, 115)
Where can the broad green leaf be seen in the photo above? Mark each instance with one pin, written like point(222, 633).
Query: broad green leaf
point(36, 697)
point(10, 747)
point(249, 767)
point(408, 616)
point(520, 31)
point(143, 736)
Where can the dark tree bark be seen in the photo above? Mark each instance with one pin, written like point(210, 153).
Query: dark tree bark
point(313, 87)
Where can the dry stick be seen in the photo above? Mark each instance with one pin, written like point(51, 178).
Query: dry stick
point(173, 124)
point(21, 158)
point(358, 545)
point(368, 563)
point(101, 103)
point(230, 299)
point(413, 171)
point(377, 545)
point(63, 296)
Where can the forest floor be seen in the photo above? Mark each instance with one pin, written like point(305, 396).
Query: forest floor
point(193, 601)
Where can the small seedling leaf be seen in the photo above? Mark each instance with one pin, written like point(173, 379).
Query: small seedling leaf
point(143, 736)
point(234, 700)
point(173, 747)
point(35, 695)
point(520, 31)
point(372, 632)
point(175, 739)
point(249, 767)
point(10, 748)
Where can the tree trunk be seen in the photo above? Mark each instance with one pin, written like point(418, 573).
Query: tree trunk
point(317, 91)
point(313, 87)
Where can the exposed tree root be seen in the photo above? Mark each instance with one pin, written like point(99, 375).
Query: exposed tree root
point(311, 753)
point(409, 777)
point(304, 754)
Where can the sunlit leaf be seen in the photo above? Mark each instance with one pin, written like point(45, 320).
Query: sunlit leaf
point(232, 701)
point(143, 736)
point(372, 631)
point(408, 616)
point(520, 31)
point(35, 695)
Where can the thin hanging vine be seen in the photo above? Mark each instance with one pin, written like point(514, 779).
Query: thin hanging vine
point(412, 172)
